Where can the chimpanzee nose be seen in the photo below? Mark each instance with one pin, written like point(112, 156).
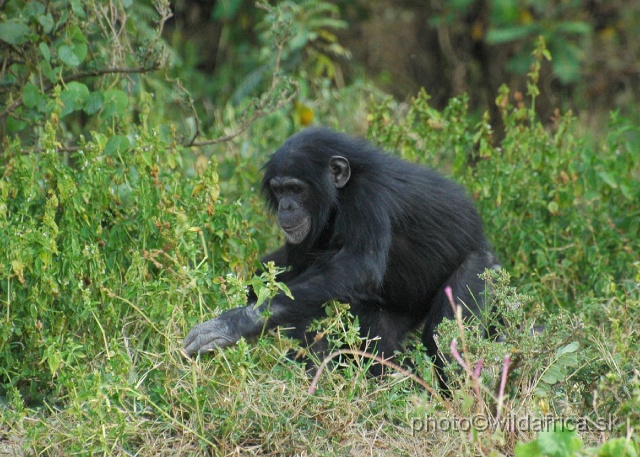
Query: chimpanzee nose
point(286, 205)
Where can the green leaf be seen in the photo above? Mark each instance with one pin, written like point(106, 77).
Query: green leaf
point(116, 144)
point(30, 95)
point(503, 12)
point(609, 179)
point(554, 374)
point(53, 359)
point(578, 28)
point(68, 57)
point(520, 63)
point(618, 447)
point(93, 103)
point(566, 63)
point(13, 31)
point(528, 449)
point(508, 34)
point(79, 42)
point(626, 191)
point(536, 160)
point(46, 21)
point(78, 8)
point(44, 50)
point(34, 9)
point(285, 290)
point(74, 97)
point(74, 50)
point(49, 72)
point(565, 357)
point(263, 294)
point(115, 103)
point(571, 347)
point(15, 125)
point(559, 443)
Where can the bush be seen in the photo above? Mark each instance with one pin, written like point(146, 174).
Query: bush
point(119, 233)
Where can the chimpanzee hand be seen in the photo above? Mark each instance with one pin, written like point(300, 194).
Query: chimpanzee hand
point(209, 335)
point(223, 330)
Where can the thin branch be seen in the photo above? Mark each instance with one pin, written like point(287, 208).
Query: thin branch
point(368, 355)
point(457, 310)
point(503, 383)
point(108, 71)
point(261, 107)
point(245, 123)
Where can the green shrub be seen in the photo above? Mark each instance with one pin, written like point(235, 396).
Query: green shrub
point(116, 242)
point(117, 235)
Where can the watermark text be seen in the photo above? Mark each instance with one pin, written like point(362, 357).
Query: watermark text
point(481, 423)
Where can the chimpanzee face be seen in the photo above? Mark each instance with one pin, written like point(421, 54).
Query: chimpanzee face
point(294, 217)
point(294, 198)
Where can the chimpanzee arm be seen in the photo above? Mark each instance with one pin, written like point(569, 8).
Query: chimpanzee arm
point(349, 277)
point(231, 325)
point(353, 273)
point(345, 277)
point(279, 257)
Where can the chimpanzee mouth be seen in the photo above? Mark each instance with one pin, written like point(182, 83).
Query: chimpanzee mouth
point(298, 232)
point(293, 228)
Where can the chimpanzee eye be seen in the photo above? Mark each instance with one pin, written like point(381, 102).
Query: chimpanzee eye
point(276, 189)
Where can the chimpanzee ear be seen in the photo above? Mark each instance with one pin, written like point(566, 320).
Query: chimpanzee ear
point(340, 171)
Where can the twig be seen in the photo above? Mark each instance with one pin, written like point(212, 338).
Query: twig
point(466, 364)
point(244, 126)
point(260, 110)
point(368, 355)
point(503, 383)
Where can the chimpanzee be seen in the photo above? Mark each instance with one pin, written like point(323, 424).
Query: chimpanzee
point(364, 228)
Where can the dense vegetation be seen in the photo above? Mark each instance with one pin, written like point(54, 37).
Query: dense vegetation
point(129, 212)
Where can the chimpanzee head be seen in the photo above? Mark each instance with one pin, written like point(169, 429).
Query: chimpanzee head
point(300, 183)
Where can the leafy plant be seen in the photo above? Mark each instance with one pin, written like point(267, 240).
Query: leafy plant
point(558, 443)
point(54, 56)
point(121, 228)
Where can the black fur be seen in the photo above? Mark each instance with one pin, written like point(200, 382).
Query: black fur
point(388, 242)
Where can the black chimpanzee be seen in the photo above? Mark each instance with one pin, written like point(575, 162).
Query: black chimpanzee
point(364, 228)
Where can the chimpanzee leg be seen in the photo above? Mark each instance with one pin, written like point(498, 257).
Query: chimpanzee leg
point(385, 331)
point(468, 292)
point(314, 347)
